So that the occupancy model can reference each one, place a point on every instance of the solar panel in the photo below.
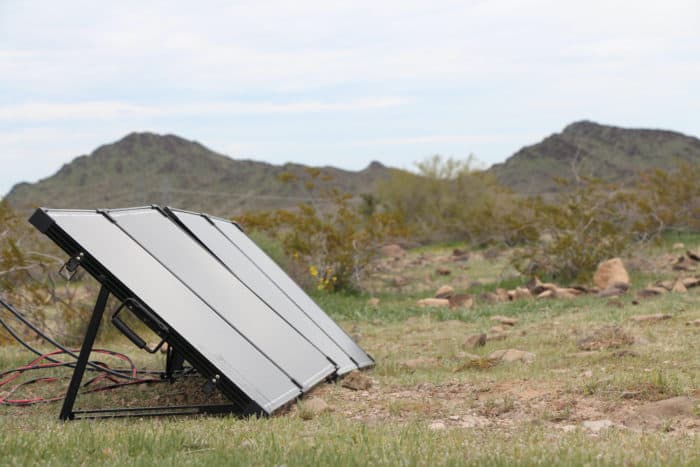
(259, 349)
(242, 256)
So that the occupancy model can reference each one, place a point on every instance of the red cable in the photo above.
(35, 364)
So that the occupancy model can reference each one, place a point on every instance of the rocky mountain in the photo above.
(591, 149)
(147, 168)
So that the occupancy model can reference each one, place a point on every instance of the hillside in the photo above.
(146, 168)
(603, 151)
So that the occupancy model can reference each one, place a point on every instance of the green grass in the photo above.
(526, 414)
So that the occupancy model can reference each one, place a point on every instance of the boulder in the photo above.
(693, 323)
(611, 273)
(443, 271)
(678, 287)
(444, 291)
(519, 293)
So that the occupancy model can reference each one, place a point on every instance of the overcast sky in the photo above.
(338, 83)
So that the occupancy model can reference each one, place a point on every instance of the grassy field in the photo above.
(432, 399)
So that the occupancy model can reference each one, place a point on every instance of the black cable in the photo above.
(94, 367)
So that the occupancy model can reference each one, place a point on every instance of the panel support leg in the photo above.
(90, 335)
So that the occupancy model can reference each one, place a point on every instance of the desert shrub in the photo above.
(449, 199)
(328, 242)
(579, 228)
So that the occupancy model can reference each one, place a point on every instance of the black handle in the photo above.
(130, 334)
(126, 330)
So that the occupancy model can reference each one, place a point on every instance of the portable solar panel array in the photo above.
(213, 295)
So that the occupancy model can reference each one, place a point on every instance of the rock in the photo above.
(693, 323)
(392, 251)
(373, 302)
(596, 426)
(443, 271)
(678, 287)
(437, 426)
(461, 300)
(512, 355)
(611, 273)
(313, 406)
(505, 320)
(444, 291)
(519, 293)
(678, 246)
(566, 293)
(690, 282)
(674, 407)
(420, 362)
(668, 285)
(433, 302)
(650, 318)
(681, 264)
(546, 294)
(692, 255)
(474, 341)
(356, 381)
(498, 328)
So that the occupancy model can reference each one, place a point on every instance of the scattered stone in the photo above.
(519, 293)
(460, 255)
(444, 291)
(313, 406)
(421, 362)
(607, 337)
(373, 302)
(476, 340)
(650, 318)
(392, 251)
(546, 294)
(471, 421)
(596, 426)
(692, 255)
(678, 246)
(567, 428)
(461, 300)
(496, 329)
(616, 302)
(356, 381)
(690, 282)
(693, 323)
(682, 265)
(512, 355)
(437, 426)
(678, 287)
(505, 320)
(433, 302)
(443, 271)
(611, 273)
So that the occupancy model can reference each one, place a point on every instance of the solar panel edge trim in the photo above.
(365, 363)
(245, 405)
